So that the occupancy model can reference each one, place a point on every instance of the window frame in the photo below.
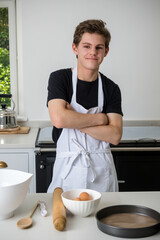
(10, 4)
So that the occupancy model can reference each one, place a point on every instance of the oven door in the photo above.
(44, 169)
(137, 170)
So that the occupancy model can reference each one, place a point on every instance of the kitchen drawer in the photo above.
(17, 161)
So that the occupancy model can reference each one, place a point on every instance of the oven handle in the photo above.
(38, 150)
(121, 181)
(123, 149)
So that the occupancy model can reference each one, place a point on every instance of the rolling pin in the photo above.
(59, 211)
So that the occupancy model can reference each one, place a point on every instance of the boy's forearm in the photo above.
(63, 115)
(112, 132)
(107, 133)
(72, 119)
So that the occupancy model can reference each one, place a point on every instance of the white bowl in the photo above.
(81, 208)
(14, 185)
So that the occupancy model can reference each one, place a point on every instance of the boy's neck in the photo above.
(87, 74)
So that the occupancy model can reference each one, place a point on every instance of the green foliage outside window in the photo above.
(4, 55)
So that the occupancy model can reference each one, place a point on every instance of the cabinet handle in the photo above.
(3, 164)
(121, 181)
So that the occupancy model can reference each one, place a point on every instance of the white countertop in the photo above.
(76, 228)
(19, 140)
(28, 140)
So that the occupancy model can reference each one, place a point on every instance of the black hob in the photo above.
(44, 138)
(141, 136)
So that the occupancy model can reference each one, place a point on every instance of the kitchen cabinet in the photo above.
(138, 170)
(15, 160)
(20, 159)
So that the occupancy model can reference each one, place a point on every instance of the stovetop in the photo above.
(44, 138)
(141, 136)
(146, 136)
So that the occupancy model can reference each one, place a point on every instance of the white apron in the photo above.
(81, 160)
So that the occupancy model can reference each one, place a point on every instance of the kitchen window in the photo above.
(8, 65)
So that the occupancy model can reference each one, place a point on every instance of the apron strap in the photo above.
(100, 88)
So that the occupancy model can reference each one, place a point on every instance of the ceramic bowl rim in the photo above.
(28, 177)
(83, 190)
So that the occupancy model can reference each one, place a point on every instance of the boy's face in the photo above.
(90, 51)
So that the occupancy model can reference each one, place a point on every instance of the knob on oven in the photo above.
(41, 166)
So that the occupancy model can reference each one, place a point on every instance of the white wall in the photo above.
(45, 29)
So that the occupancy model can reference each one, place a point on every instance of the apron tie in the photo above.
(84, 152)
(74, 155)
(69, 164)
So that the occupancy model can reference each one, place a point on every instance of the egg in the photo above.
(84, 196)
(77, 199)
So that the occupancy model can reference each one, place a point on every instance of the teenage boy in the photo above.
(85, 110)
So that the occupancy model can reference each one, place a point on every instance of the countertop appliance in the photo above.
(136, 157)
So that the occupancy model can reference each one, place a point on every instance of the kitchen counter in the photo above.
(19, 140)
(77, 228)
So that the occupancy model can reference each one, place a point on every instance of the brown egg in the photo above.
(77, 199)
(84, 196)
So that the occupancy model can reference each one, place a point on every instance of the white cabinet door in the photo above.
(17, 161)
(22, 160)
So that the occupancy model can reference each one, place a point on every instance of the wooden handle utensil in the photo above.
(59, 211)
(27, 222)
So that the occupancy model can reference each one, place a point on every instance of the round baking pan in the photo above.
(123, 229)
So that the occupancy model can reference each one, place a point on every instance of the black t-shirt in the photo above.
(60, 87)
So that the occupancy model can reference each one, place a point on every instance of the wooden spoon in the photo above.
(27, 222)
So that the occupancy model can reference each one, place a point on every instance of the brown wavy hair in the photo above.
(91, 26)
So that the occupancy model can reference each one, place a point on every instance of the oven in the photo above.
(137, 159)
(45, 153)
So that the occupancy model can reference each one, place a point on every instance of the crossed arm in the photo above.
(104, 127)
